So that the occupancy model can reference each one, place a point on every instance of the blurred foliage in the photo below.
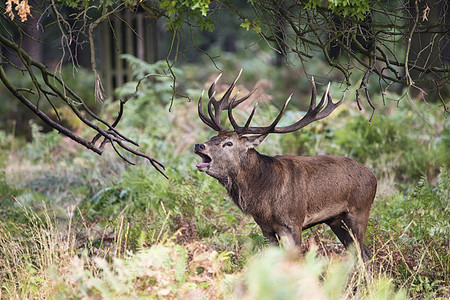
(415, 224)
(190, 234)
(180, 12)
(43, 145)
(14, 115)
(7, 193)
(153, 83)
(431, 207)
(422, 151)
(416, 146)
(345, 8)
(276, 275)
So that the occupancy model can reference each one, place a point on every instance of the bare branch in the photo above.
(371, 43)
(54, 86)
(408, 47)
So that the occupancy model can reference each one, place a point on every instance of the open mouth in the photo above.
(206, 160)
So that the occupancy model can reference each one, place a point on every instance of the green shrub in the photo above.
(415, 226)
(390, 140)
(424, 211)
(400, 142)
(43, 145)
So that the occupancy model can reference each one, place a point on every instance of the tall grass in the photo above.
(129, 233)
(48, 262)
(31, 252)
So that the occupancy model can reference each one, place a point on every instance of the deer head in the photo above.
(227, 151)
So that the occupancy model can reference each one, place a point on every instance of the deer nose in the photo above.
(199, 147)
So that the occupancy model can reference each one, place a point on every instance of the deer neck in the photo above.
(243, 184)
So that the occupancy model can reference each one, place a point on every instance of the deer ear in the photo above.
(254, 140)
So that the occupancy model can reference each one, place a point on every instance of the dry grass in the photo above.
(50, 260)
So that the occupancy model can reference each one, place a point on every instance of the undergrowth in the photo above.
(74, 225)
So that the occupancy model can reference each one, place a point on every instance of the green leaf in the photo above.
(246, 24)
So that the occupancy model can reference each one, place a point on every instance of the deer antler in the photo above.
(314, 113)
(213, 120)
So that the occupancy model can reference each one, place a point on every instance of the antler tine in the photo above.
(314, 113)
(330, 107)
(272, 126)
(215, 118)
(313, 94)
(319, 106)
(239, 101)
(257, 130)
(250, 117)
(212, 101)
(225, 103)
(219, 105)
(211, 90)
(203, 117)
(227, 94)
(236, 127)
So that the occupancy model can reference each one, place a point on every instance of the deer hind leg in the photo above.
(341, 227)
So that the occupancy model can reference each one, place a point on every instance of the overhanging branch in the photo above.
(53, 85)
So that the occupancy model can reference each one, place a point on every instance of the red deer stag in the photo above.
(286, 194)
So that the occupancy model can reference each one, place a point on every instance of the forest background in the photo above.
(122, 79)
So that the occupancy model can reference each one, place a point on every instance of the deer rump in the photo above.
(286, 194)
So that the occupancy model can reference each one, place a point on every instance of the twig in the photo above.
(363, 86)
(408, 46)
(98, 82)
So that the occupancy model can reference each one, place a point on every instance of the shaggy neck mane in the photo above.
(255, 174)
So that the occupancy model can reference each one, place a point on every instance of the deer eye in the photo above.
(228, 144)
